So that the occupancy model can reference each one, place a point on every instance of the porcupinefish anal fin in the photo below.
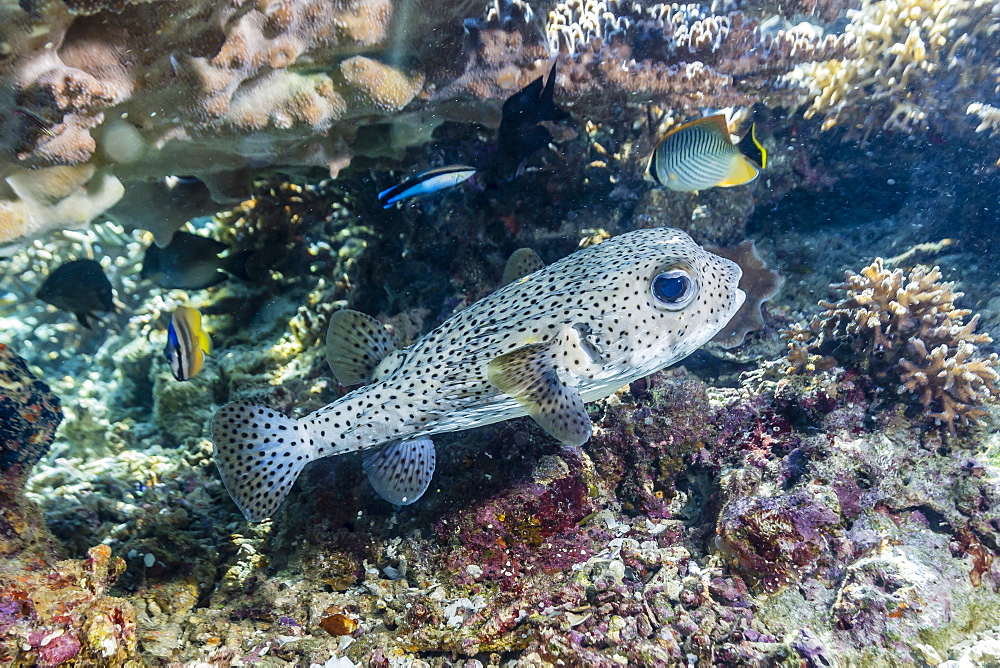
(356, 344)
(260, 475)
(521, 262)
(531, 375)
(401, 472)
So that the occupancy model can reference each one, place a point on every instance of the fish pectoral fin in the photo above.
(355, 345)
(529, 376)
(741, 171)
(521, 262)
(402, 472)
(204, 342)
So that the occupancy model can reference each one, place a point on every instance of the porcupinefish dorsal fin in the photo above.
(401, 472)
(521, 262)
(530, 375)
(355, 345)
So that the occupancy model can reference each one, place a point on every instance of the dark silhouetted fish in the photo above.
(189, 262)
(520, 134)
(80, 287)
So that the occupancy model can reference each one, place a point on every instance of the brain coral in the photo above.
(906, 333)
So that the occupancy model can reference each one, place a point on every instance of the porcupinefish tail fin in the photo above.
(355, 345)
(521, 262)
(259, 453)
(528, 375)
(402, 472)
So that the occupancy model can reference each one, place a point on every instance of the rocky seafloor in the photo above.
(736, 509)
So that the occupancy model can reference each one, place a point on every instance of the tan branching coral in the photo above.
(905, 332)
(910, 62)
(681, 56)
(989, 117)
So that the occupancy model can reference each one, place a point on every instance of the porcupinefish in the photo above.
(543, 345)
(187, 343)
(80, 287)
(701, 154)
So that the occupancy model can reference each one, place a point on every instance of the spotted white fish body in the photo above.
(543, 345)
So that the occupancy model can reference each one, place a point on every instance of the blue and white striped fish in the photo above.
(426, 183)
(701, 154)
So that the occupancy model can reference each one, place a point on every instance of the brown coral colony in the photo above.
(908, 335)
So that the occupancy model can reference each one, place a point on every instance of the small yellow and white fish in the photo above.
(543, 345)
(187, 343)
(701, 154)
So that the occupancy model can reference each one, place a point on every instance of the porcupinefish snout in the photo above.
(542, 345)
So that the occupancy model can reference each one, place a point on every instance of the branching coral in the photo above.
(911, 62)
(989, 117)
(681, 56)
(906, 330)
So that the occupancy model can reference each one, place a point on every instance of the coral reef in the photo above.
(680, 56)
(760, 285)
(50, 613)
(29, 415)
(911, 65)
(905, 330)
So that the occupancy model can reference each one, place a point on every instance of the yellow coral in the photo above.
(899, 49)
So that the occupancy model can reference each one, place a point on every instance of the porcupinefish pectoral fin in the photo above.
(521, 262)
(402, 472)
(355, 345)
(259, 453)
(528, 375)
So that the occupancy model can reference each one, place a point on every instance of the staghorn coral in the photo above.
(681, 56)
(989, 117)
(906, 330)
(912, 64)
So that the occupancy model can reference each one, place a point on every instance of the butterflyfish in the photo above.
(187, 343)
(701, 154)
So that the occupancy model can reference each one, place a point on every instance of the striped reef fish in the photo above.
(426, 183)
(701, 154)
(187, 343)
(542, 345)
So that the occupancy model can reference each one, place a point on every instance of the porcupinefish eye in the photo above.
(674, 289)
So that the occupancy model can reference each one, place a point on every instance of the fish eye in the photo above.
(674, 289)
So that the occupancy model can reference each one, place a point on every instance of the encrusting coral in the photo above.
(760, 285)
(906, 333)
